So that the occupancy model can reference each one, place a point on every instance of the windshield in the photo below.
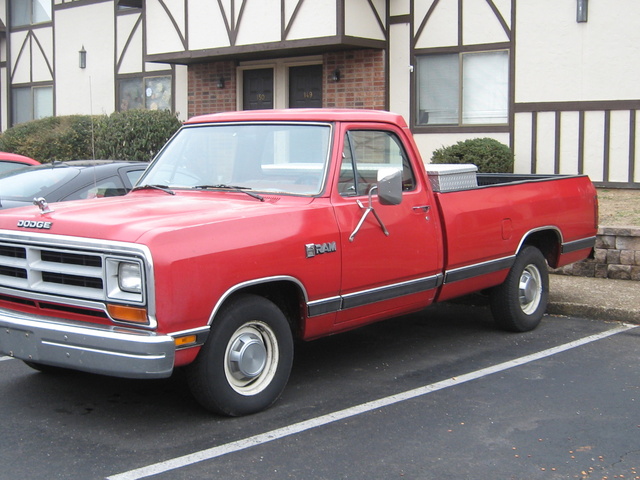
(282, 158)
(30, 182)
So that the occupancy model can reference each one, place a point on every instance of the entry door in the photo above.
(383, 274)
(305, 87)
(257, 89)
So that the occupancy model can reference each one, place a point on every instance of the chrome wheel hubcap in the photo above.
(247, 356)
(530, 289)
(251, 358)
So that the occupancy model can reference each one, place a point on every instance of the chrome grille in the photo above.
(63, 271)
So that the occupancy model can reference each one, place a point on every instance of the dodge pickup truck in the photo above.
(251, 230)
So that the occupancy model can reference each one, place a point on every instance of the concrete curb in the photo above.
(597, 298)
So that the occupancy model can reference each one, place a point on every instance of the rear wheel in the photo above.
(245, 363)
(519, 303)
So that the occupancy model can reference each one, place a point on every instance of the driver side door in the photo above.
(383, 274)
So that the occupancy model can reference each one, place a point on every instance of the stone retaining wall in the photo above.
(617, 255)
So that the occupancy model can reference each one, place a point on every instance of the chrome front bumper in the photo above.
(105, 350)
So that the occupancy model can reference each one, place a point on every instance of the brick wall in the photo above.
(203, 94)
(617, 255)
(361, 84)
(362, 80)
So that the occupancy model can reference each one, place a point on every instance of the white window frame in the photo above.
(33, 90)
(144, 78)
(32, 4)
(463, 100)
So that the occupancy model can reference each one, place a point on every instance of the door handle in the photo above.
(422, 209)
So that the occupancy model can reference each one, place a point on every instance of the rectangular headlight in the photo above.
(130, 277)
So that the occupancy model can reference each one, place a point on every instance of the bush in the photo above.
(51, 138)
(132, 135)
(489, 155)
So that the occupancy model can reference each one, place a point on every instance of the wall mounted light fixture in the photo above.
(82, 58)
(221, 82)
(336, 75)
(582, 11)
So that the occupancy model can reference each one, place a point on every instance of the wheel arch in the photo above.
(547, 239)
(286, 292)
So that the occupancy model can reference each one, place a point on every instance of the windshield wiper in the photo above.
(163, 188)
(235, 188)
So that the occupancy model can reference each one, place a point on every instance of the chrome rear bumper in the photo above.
(105, 350)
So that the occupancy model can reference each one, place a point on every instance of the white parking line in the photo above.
(211, 453)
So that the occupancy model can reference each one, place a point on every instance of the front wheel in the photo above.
(245, 363)
(519, 303)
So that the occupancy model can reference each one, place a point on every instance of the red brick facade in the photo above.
(362, 80)
(362, 83)
(204, 95)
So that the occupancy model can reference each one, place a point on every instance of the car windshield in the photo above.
(31, 182)
(282, 158)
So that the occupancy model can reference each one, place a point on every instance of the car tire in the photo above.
(245, 363)
(519, 303)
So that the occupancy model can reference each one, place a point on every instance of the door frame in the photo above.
(280, 68)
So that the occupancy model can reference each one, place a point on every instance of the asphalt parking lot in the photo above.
(437, 395)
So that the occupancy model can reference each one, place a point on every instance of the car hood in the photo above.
(145, 214)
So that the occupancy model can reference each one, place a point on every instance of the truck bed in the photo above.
(485, 226)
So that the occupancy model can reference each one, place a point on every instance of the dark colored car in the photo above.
(13, 161)
(73, 180)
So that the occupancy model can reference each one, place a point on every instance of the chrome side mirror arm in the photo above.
(367, 211)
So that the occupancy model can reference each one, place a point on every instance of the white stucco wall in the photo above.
(559, 59)
(89, 90)
(181, 82)
(360, 19)
(129, 44)
(400, 69)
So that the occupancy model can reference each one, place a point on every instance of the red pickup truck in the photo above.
(252, 229)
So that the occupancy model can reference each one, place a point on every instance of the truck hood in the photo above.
(130, 217)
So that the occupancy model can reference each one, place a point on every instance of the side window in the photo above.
(367, 151)
(109, 187)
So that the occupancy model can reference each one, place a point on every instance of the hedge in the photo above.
(488, 154)
(131, 135)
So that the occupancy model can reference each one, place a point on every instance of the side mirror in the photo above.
(390, 186)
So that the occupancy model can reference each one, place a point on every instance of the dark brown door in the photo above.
(257, 89)
(305, 87)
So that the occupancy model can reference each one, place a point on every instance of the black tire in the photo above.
(245, 363)
(519, 303)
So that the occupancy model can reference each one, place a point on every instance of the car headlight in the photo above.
(130, 277)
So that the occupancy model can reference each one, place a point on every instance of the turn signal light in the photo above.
(128, 314)
(182, 341)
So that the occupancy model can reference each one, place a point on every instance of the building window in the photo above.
(463, 89)
(129, 4)
(31, 103)
(150, 93)
(30, 12)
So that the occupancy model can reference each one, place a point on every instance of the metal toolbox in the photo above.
(451, 177)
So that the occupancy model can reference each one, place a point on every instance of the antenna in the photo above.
(93, 139)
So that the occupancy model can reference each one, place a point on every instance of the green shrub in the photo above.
(134, 134)
(489, 155)
(51, 138)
